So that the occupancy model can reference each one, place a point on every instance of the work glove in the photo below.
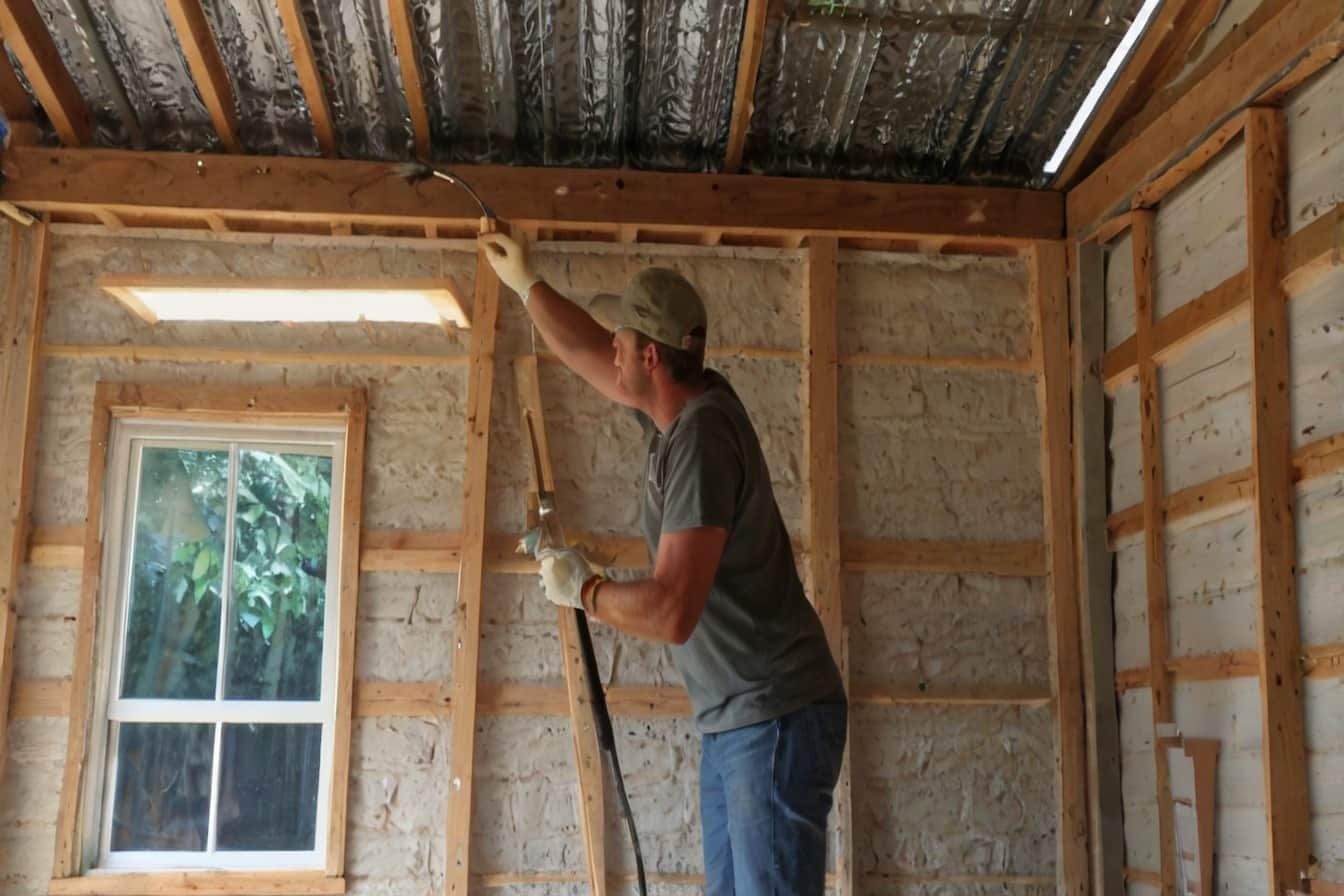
(564, 572)
(509, 259)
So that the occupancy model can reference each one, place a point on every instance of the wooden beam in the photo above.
(470, 577)
(1321, 661)
(1155, 190)
(201, 883)
(207, 69)
(25, 32)
(1049, 291)
(1155, 546)
(582, 716)
(1319, 458)
(185, 354)
(748, 66)
(1288, 47)
(1173, 27)
(321, 191)
(1087, 306)
(1287, 797)
(403, 36)
(352, 506)
(1025, 558)
(14, 98)
(821, 447)
(310, 79)
(21, 322)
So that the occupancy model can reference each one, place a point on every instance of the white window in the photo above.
(213, 729)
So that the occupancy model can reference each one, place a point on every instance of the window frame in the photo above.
(245, 411)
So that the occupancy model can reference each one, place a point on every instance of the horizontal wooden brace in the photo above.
(1322, 661)
(1308, 253)
(401, 550)
(49, 697)
(200, 883)
(1319, 458)
(327, 190)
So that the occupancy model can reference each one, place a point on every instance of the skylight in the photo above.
(155, 298)
(1102, 84)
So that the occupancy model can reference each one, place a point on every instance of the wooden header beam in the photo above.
(207, 68)
(25, 32)
(1302, 39)
(325, 190)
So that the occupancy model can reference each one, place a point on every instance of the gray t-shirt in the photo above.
(759, 650)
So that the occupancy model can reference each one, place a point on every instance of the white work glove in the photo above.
(509, 259)
(564, 571)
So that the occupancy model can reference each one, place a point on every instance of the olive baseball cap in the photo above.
(661, 304)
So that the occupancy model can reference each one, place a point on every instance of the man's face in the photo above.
(630, 373)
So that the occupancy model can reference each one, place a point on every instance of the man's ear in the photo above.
(650, 357)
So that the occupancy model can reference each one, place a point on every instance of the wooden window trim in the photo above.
(233, 404)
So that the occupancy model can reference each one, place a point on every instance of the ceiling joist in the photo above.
(207, 68)
(748, 66)
(310, 79)
(318, 192)
(25, 33)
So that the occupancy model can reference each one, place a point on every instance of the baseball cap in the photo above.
(661, 304)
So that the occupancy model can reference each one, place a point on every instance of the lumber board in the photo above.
(1287, 796)
(1155, 190)
(13, 97)
(322, 191)
(21, 321)
(748, 67)
(1024, 558)
(1321, 661)
(1154, 546)
(821, 448)
(201, 883)
(65, 861)
(1286, 47)
(352, 506)
(191, 354)
(470, 577)
(207, 68)
(582, 718)
(1313, 460)
(56, 91)
(1087, 308)
(310, 79)
(1049, 290)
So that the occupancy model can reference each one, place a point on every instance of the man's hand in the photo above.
(564, 571)
(509, 259)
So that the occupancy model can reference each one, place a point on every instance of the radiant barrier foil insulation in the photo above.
(952, 90)
(273, 116)
(968, 91)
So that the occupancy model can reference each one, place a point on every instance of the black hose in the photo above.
(606, 737)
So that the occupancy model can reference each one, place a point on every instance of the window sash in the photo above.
(129, 439)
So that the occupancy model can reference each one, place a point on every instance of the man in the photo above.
(724, 590)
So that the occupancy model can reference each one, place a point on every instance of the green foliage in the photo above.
(283, 504)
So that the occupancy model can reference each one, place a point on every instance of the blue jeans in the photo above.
(765, 792)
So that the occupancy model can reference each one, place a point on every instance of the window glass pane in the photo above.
(162, 797)
(268, 787)
(279, 576)
(172, 633)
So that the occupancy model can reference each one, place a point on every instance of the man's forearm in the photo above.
(644, 608)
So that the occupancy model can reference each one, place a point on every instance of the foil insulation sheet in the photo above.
(967, 91)
(141, 45)
(80, 51)
(352, 47)
(273, 116)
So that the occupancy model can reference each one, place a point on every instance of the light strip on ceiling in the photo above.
(1102, 84)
